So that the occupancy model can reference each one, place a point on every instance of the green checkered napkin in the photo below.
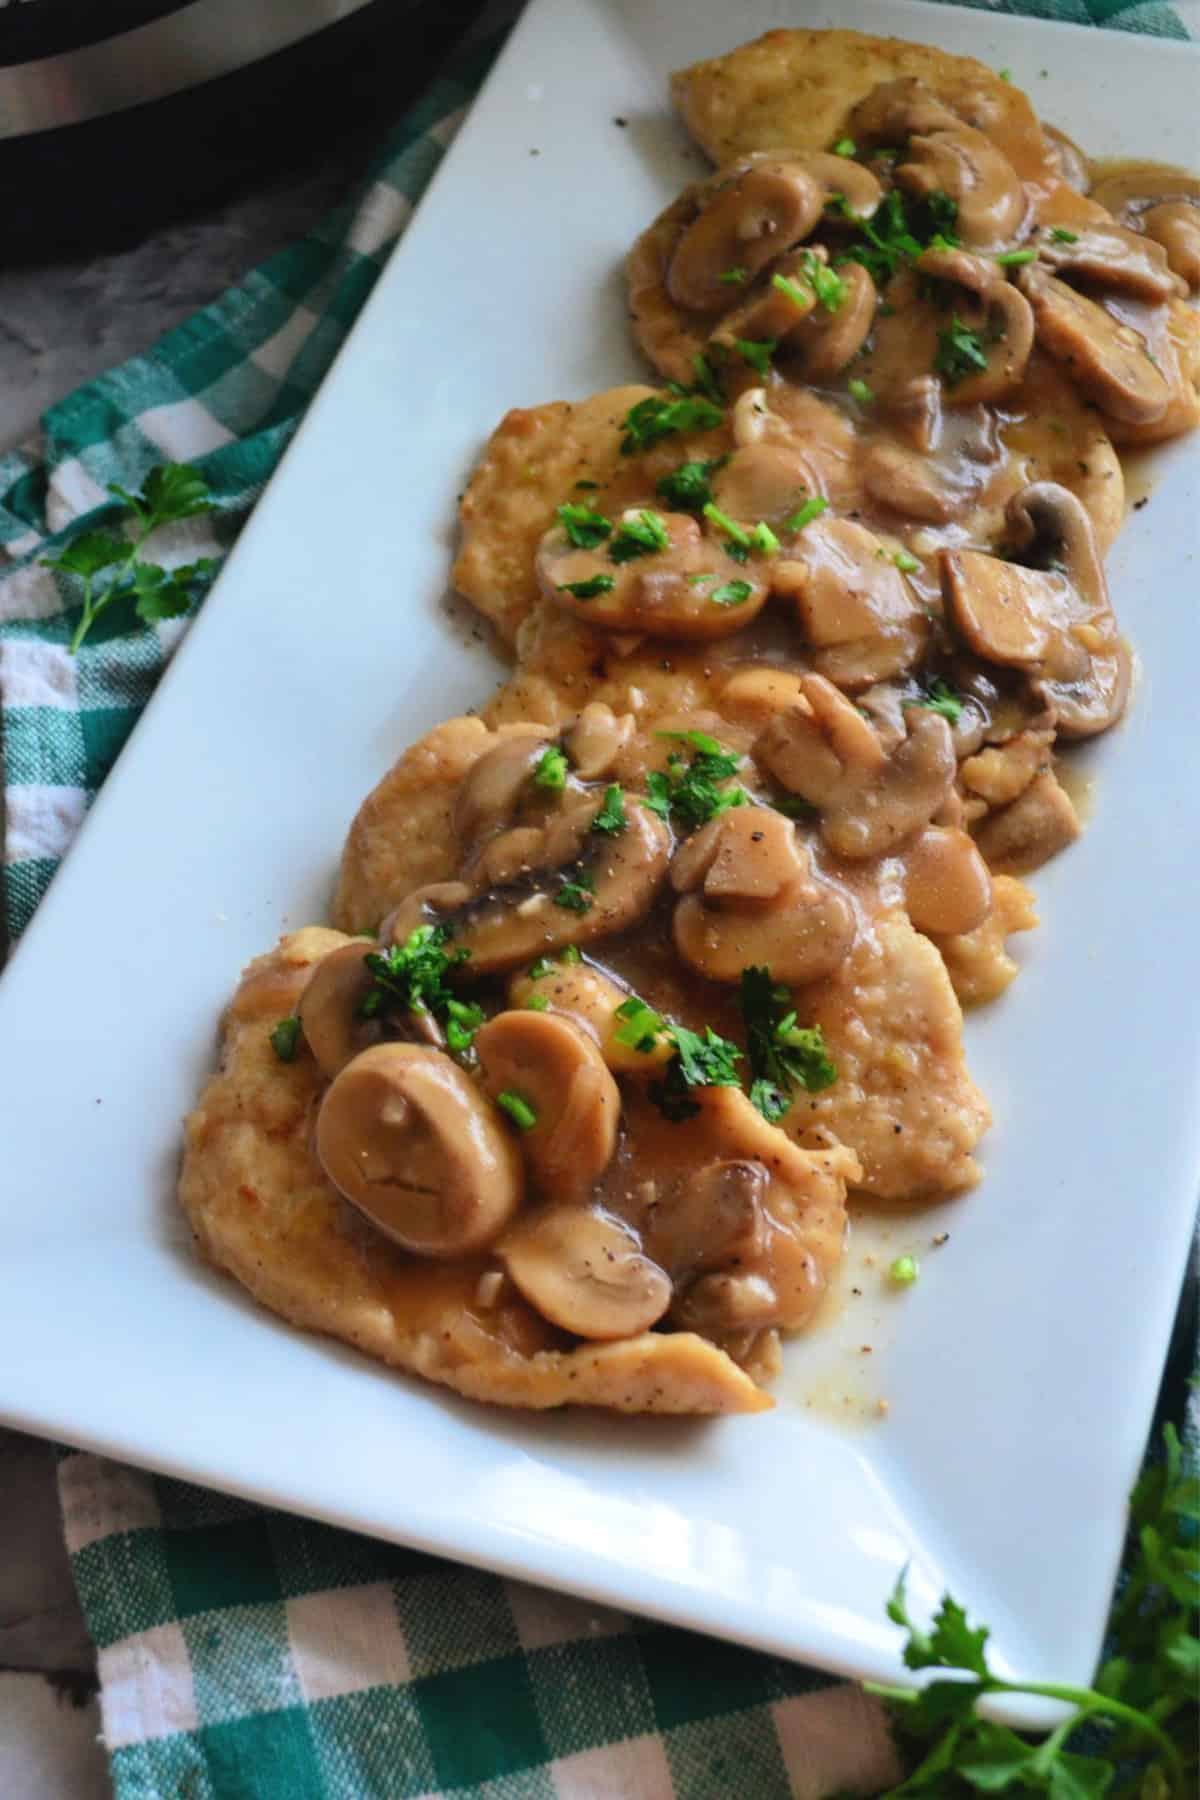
(245, 1652)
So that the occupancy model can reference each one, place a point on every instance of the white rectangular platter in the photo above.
(1019, 1374)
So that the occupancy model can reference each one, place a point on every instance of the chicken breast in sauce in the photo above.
(644, 973)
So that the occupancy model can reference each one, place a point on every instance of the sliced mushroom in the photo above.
(692, 590)
(822, 340)
(750, 894)
(1053, 621)
(1108, 256)
(713, 1218)
(931, 489)
(756, 208)
(409, 1140)
(594, 740)
(947, 888)
(855, 607)
(585, 1272)
(1175, 224)
(490, 790)
(558, 1073)
(1108, 362)
(328, 1008)
(590, 998)
(826, 752)
(502, 928)
(966, 165)
(894, 111)
(1000, 316)
(764, 481)
(1038, 824)
(1067, 159)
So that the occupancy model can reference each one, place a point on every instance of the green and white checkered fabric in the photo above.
(245, 1654)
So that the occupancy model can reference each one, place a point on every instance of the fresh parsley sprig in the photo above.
(413, 977)
(1142, 1712)
(960, 352)
(111, 566)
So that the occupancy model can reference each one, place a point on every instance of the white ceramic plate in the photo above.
(1020, 1372)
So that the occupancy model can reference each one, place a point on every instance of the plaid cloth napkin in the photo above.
(245, 1653)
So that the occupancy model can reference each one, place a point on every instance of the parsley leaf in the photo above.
(959, 352)
(1140, 1713)
(591, 589)
(804, 515)
(783, 1055)
(285, 1038)
(658, 417)
(706, 383)
(859, 391)
(939, 697)
(825, 282)
(906, 562)
(642, 536)
(584, 526)
(735, 277)
(757, 352)
(702, 1059)
(689, 794)
(412, 977)
(610, 821)
(1060, 235)
(686, 489)
(550, 770)
(518, 1109)
(577, 896)
(897, 232)
(170, 492)
(731, 593)
(640, 1026)
(845, 147)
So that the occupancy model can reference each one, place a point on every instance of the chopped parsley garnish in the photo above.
(577, 896)
(702, 1059)
(736, 277)
(587, 484)
(906, 562)
(904, 1271)
(793, 290)
(959, 352)
(763, 539)
(640, 1025)
(689, 793)
(537, 1003)
(591, 589)
(1009, 258)
(610, 821)
(545, 965)
(845, 147)
(642, 536)
(825, 282)
(939, 697)
(550, 770)
(686, 488)
(756, 352)
(412, 976)
(730, 527)
(706, 382)
(1060, 235)
(804, 515)
(570, 953)
(584, 526)
(731, 593)
(462, 1021)
(658, 417)
(517, 1108)
(896, 233)
(860, 391)
(285, 1038)
(783, 1055)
